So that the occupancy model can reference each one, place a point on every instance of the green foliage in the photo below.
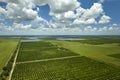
(80, 68)
(118, 44)
(41, 50)
(115, 55)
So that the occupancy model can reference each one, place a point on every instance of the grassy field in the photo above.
(97, 51)
(80, 68)
(7, 47)
(41, 50)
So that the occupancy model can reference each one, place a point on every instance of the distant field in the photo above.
(7, 47)
(41, 50)
(80, 68)
(97, 41)
(99, 51)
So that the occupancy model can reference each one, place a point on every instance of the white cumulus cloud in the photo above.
(60, 6)
(66, 14)
(104, 19)
(94, 11)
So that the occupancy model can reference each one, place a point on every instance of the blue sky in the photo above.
(111, 8)
(62, 17)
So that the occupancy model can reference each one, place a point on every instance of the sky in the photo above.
(59, 17)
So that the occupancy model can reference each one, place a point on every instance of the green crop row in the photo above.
(41, 50)
(80, 68)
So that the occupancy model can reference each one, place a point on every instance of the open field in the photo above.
(7, 47)
(96, 50)
(77, 68)
(41, 50)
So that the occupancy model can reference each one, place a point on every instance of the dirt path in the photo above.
(14, 63)
(48, 59)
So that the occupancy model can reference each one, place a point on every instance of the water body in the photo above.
(32, 40)
(70, 39)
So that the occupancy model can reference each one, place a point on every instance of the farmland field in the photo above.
(41, 50)
(7, 47)
(68, 60)
(66, 69)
